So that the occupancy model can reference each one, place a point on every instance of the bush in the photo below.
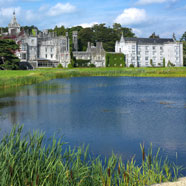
(163, 62)
(92, 65)
(151, 63)
(184, 60)
(70, 65)
(81, 63)
(60, 66)
(131, 66)
(115, 60)
(170, 64)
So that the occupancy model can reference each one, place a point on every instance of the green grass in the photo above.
(19, 78)
(26, 160)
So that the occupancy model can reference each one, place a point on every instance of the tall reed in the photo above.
(28, 161)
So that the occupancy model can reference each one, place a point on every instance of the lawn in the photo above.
(10, 78)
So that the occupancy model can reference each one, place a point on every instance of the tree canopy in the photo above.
(96, 33)
(8, 59)
(154, 36)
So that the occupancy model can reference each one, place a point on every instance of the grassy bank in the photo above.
(27, 161)
(19, 78)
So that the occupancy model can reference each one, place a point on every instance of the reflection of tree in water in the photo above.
(47, 88)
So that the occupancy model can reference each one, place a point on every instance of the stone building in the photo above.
(41, 49)
(144, 52)
(96, 54)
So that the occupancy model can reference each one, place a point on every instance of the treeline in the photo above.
(183, 39)
(96, 33)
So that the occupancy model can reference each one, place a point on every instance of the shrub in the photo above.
(70, 65)
(82, 63)
(170, 64)
(131, 66)
(92, 65)
(60, 66)
(163, 62)
(151, 63)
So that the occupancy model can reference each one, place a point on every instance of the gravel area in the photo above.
(180, 182)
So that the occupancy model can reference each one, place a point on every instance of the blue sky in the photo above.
(144, 16)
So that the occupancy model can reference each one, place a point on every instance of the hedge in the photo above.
(82, 63)
(115, 60)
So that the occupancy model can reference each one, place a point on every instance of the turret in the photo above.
(13, 27)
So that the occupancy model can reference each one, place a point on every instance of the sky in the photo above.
(164, 17)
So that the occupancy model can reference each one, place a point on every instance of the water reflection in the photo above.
(108, 113)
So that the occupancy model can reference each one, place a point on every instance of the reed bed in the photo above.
(25, 160)
(20, 78)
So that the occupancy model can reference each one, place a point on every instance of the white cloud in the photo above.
(137, 31)
(8, 12)
(60, 8)
(87, 25)
(44, 7)
(30, 15)
(144, 2)
(131, 16)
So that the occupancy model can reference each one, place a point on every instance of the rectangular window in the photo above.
(146, 53)
(51, 55)
(46, 55)
(23, 56)
(51, 50)
(154, 48)
(146, 48)
(146, 58)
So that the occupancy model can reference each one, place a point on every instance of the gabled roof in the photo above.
(148, 40)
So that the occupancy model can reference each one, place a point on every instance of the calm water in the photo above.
(108, 113)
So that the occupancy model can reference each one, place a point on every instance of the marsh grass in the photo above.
(26, 160)
(19, 78)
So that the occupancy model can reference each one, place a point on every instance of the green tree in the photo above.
(183, 38)
(8, 59)
(154, 36)
(85, 36)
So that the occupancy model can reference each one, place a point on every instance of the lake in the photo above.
(111, 114)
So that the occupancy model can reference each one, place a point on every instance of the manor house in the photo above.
(43, 49)
(96, 54)
(144, 52)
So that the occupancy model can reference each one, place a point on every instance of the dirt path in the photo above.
(180, 182)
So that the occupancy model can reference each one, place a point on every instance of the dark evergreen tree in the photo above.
(8, 59)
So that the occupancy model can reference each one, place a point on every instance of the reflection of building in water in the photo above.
(43, 49)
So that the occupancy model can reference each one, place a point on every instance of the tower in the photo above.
(75, 40)
(13, 27)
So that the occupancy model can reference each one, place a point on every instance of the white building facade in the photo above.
(41, 49)
(145, 52)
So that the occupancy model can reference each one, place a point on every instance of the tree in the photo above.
(183, 38)
(8, 59)
(85, 36)
(174, 37)
(154, 36)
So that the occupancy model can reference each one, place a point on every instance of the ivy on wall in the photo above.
(115, 60)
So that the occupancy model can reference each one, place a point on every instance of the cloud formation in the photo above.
(60, 8)
(8, 12)
(131, 16)
(87, 25)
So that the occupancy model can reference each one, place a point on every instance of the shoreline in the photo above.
(17, 78)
